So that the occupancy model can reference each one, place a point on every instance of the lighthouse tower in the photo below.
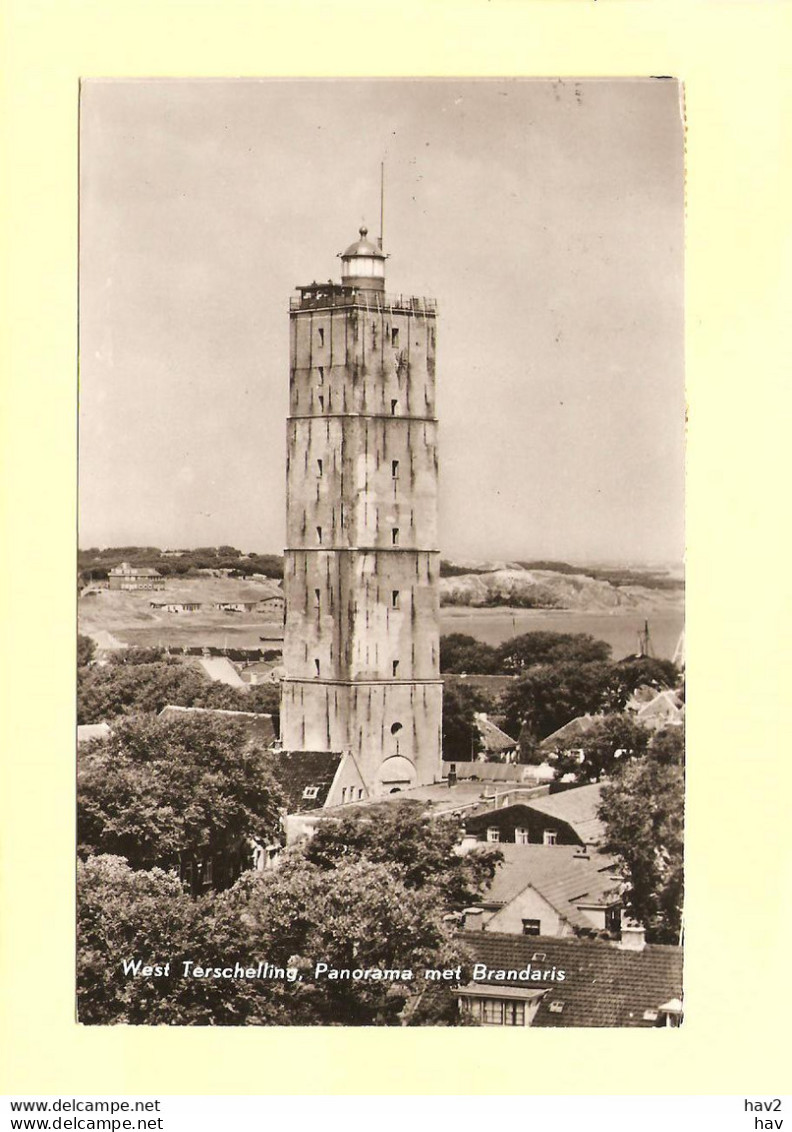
(361, 649)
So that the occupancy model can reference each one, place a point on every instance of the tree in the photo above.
(423, 848)
(643, 811)
(541, 647)
(460, 734)
(550, 695)
(176, 793)
(627, 675)
(126, 914)
(135, 683)
(606, 746)
(86, 647)
(461, 653)
(359, 915)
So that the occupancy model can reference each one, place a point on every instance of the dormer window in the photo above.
(310, 792)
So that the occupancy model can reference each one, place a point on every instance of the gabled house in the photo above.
(567, 818)
(126, 577)
(561, 890)
(314, 781)
(546, 982)
(493, 743)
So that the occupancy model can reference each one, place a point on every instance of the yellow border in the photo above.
(732, 57)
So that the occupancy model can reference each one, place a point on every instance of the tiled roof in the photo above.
(573, 730)
(604, 985)
(258, 725)
(301, 771)
(578, 807)
(560, 874)
(493, 739)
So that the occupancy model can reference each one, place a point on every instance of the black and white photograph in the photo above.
(381, 594)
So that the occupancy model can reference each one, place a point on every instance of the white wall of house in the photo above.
(528, 905)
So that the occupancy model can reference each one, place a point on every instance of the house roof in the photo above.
(576, 728)
(88, 731)
(220, 668)
(560, 874)
(301, 771)
(258, 725)
(577, 807)
(493, 739)
(489, 772)
(604, 985)
(665, 705)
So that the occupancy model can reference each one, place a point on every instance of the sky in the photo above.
(546, 218)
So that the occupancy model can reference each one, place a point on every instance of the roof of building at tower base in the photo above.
(305, 777)
(259, 726)
(604, 984)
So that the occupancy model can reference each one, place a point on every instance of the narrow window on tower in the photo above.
(321, 375)
(319, 535)
(317, 666)
(317, 598)
(319, 468)
(395, 536)
(394, 599)
(394, 469)
(394, 407)
(321, 335)
(395, 668)
(395, 336)
(321, 403)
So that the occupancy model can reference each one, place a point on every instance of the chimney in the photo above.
(452, 775)
(474, 920)
(633, 937)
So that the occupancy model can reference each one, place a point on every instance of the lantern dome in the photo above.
(363, 264)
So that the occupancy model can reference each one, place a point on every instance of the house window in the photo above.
(343, 794)
(320, 332)
(497, 1012)
(613, 919)
(395, 668)
(395, 336)
(550, 837)
(319, 468)
(360, 792)
(531, 927)
(493, 833)
(521, 836)
(394, 599)
(395, 536)
(394, 469)
(319, 535)
(317, 666)
(394, 407)
(310, 792)
(321, 375)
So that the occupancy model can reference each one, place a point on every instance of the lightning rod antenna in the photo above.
(382, 203)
